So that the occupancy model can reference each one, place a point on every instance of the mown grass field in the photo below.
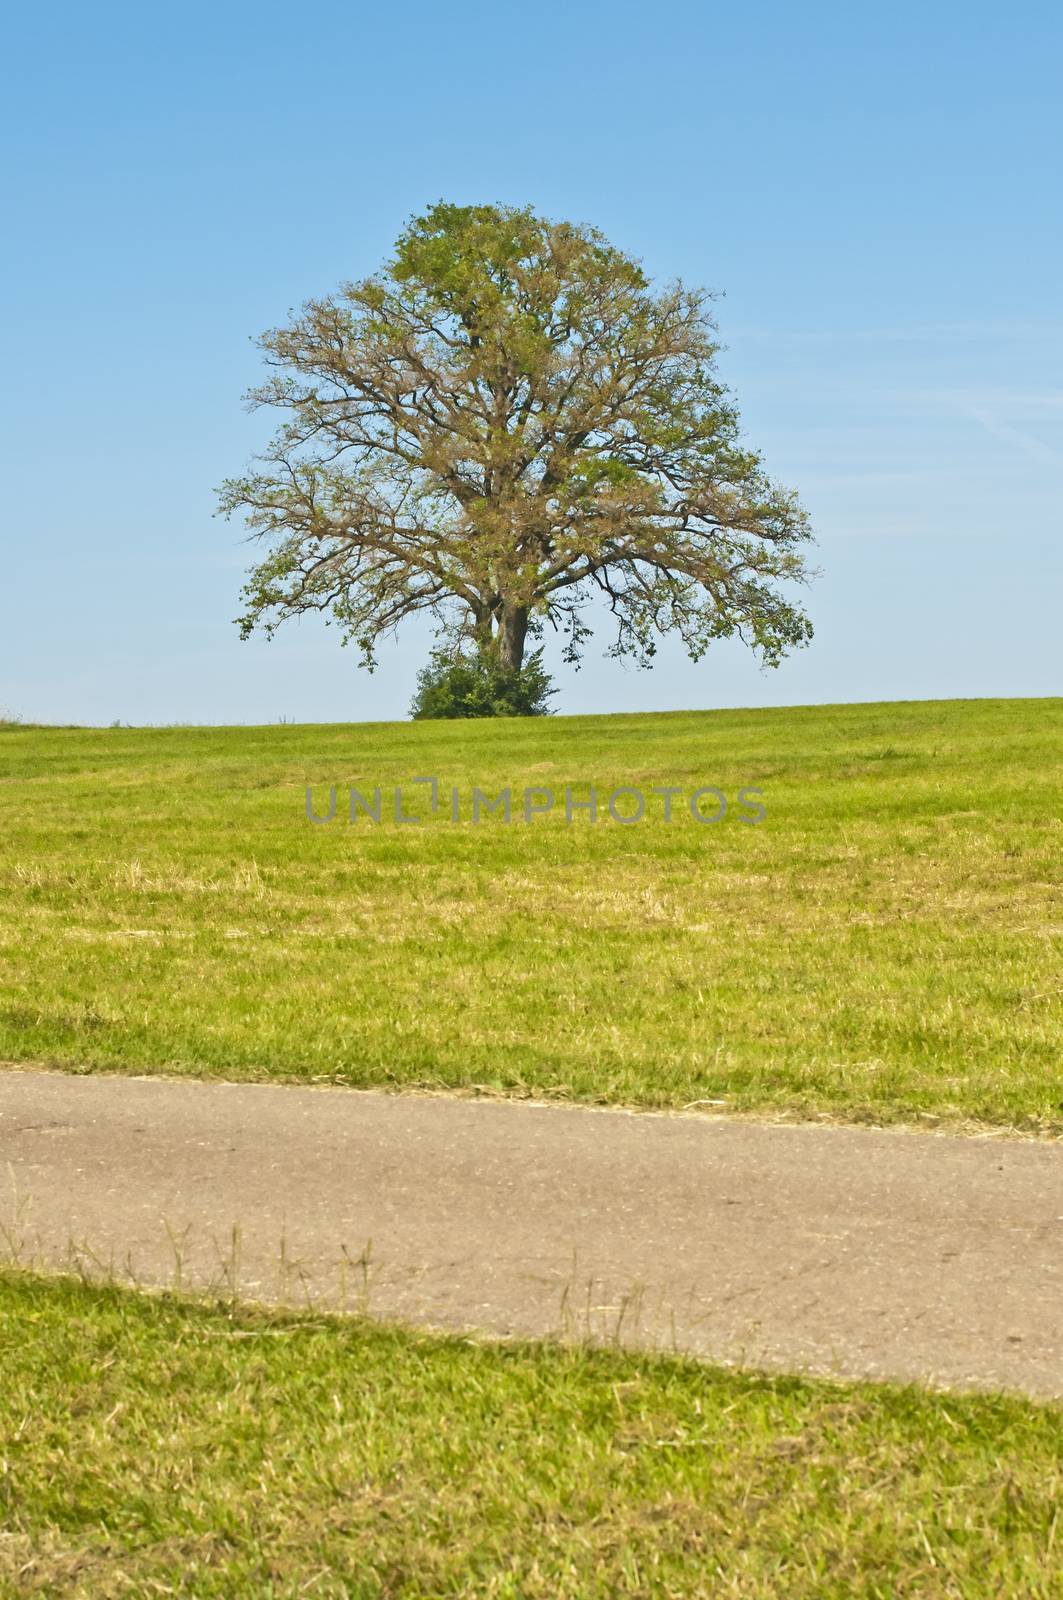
(153, 1447)
(884, 945)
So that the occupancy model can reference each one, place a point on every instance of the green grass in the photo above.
(884, 945)
(153, 1447)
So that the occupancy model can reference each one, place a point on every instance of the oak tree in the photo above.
(506, 421)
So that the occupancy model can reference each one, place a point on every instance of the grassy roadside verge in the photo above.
(885, 945)
(152, 1446)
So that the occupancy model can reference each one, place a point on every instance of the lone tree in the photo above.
(505, 421)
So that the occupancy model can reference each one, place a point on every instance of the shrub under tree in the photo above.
(478, 685)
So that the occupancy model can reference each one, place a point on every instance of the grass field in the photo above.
(150, 1447)
(884, 945)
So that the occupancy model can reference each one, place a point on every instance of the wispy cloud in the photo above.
(1008, 399)
(924, 333)
(991, 413)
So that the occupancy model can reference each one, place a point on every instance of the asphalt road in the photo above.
(852, 1251)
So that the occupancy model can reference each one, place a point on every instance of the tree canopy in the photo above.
(504, 422)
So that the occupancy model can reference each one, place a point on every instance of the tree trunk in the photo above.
(512, 632)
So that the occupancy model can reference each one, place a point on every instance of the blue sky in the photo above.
(875, 191)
